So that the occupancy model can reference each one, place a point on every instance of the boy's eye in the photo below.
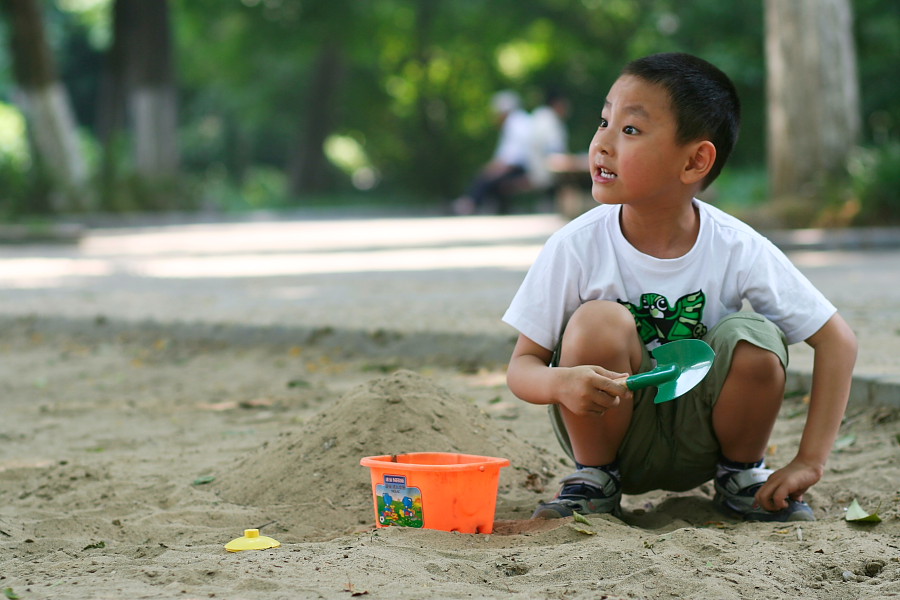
(631, 130)
(603, 122)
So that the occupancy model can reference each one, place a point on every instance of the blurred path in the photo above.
(453, 275)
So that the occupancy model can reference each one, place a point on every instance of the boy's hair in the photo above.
(704, 101)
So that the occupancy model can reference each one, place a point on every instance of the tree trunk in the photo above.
(112, 100)
(309, 170)
(45, 103)
(112, 113)
(813, 94)
(138, 88)
(152, 100)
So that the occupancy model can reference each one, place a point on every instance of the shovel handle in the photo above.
(654, 378)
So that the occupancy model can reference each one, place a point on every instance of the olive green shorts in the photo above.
(672, 445)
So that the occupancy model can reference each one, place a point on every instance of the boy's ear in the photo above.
(700, 161)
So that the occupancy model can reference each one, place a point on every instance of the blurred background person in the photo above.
(507, 172)
(549, 142)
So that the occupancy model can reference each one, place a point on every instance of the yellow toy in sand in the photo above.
(251, 541)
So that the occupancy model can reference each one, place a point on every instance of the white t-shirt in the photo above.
(515, 138)
(590, 259)
(548, 136)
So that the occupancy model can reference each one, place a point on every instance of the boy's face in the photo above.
(634, 156)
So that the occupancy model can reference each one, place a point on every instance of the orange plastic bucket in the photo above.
(435, 490)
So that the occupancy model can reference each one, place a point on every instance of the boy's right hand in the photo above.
(590, 389)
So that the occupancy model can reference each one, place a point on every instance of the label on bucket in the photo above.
(399, 504)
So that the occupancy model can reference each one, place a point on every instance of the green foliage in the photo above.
(15, 160)
(14, 183)
(412, 83)
(25, 189)
(739, 190)
(877, 29)
(875, 175)
(420, 74)
(261, 188)
(131, 192)
(120, 189)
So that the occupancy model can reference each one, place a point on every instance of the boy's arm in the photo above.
(581, 389)
(834, 347)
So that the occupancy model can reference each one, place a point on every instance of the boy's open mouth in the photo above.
(603, 173)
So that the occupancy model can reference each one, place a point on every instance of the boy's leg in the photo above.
(743, 417)
(748, 404)
(722, 424)
(675, 445)
(604, 334)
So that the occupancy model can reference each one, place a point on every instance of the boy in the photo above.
(653, 264)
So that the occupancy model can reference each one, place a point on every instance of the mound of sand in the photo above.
(316, 468)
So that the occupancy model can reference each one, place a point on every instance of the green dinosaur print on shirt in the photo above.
(657, 321)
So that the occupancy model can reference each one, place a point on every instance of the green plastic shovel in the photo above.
(680, 365)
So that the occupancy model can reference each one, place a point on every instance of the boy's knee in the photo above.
(757, 363)
(602, 312)
(600, 326)
(760, 343)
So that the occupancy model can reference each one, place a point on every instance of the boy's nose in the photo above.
(601, 143)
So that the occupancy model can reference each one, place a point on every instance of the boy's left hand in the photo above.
(791, 481)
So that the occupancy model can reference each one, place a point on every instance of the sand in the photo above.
(130, 454)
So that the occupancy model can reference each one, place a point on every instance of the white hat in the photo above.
(505, 101)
